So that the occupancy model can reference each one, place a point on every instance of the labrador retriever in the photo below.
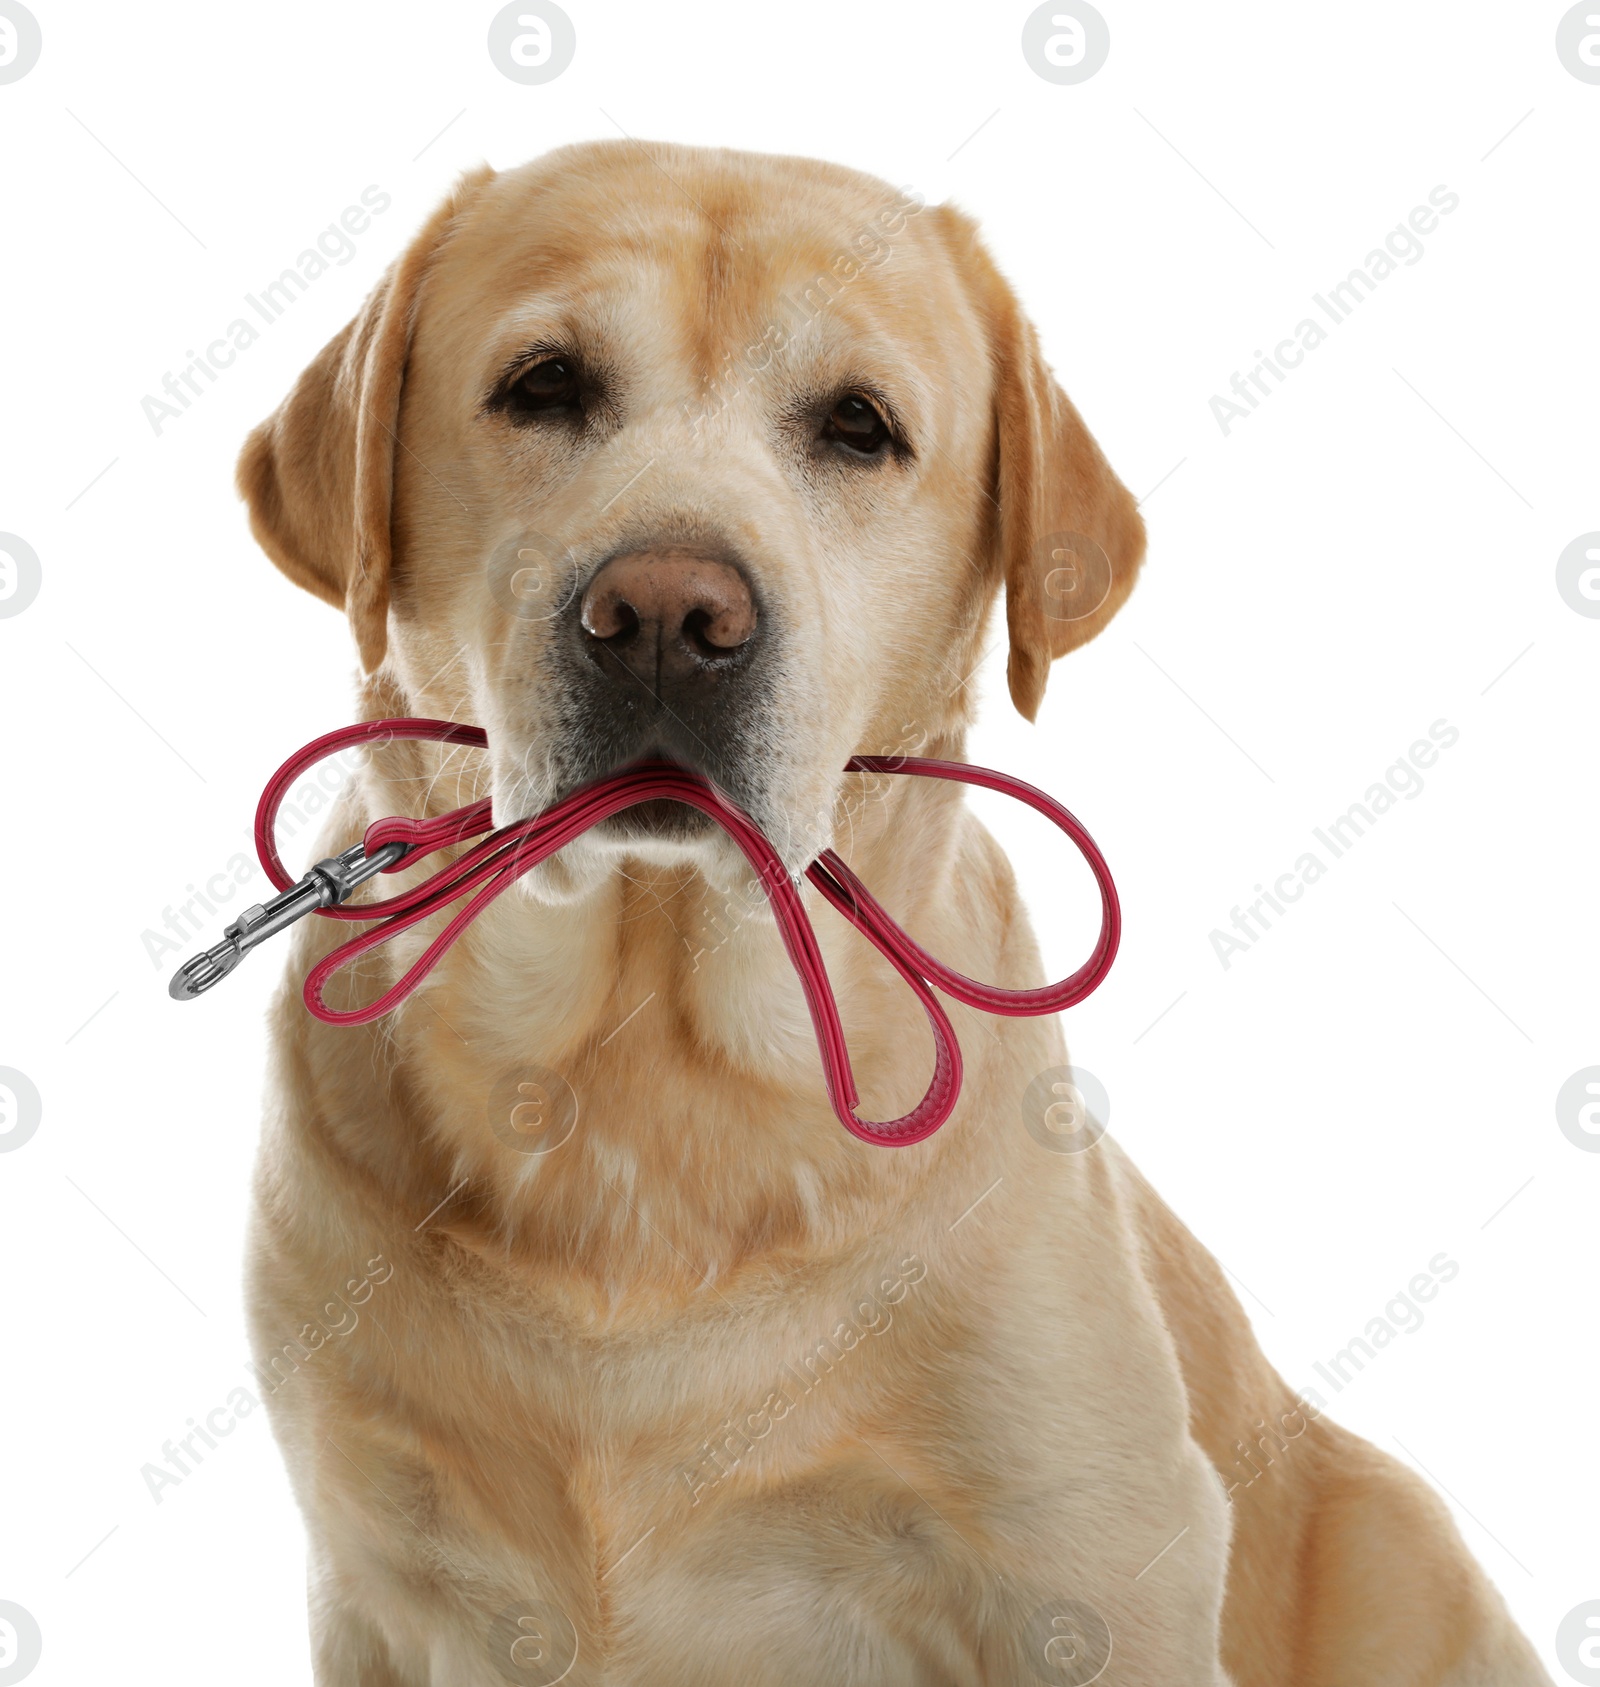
(654, 1376)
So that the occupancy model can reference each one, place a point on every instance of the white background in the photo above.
(1373, 550)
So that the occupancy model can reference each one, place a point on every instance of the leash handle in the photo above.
(492, 866)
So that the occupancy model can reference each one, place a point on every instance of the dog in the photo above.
(653, 1375)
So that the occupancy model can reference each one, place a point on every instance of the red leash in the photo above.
(490, 868)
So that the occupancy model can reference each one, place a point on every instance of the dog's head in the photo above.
(656, 451)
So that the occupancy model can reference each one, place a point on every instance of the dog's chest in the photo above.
(664, 1478)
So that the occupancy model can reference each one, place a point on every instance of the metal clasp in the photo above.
(328, 883)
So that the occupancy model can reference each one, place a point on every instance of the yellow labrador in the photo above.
(651, 1375)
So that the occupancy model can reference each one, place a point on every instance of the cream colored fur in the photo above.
(1012, 1377)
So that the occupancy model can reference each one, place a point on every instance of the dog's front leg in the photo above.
(347, 1647)
(378, 1632)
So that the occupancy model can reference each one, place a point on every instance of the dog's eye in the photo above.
(856, 423)
(551, 384)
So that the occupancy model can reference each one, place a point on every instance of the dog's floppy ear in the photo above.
(1069, 534)
(318, 474)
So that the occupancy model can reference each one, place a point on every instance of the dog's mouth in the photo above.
(591, 755)
(724, 733)
(668, 653)
(662, 819)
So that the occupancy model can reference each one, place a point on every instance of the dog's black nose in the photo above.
(671, 618)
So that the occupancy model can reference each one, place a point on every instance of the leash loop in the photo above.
(490, 867)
